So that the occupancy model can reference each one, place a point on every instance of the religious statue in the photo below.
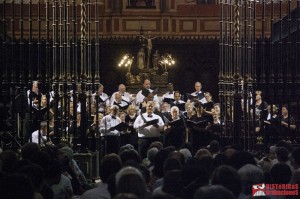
(155, 60)
(149, 48)
(141, 59)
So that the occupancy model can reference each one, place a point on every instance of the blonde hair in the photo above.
(131, 107)
(100, 116)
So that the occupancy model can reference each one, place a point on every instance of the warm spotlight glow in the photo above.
(166, 60)
(126, 61)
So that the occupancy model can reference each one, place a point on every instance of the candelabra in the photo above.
(166, 60)
(126, 62)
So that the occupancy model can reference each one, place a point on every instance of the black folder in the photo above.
(128, 102)
(121, 106)
(168, 100)
(120, 127)
(100, 100)
(180, 106)
(191, 97)
(146, 92)
(193, 124)
(176, 123)
(151, 122)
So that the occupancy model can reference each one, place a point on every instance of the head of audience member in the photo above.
(295, 158)
(228, 152)
(175, 112)
(285, 144)
(68, 151)
(7, 159)
(151, 153)
(178, 156)
(122, 89)
(130, 155)
(29, 149)
(214, 147)
(35, 173)
(110, 164)
(242, 158)
(130, 180)
(282, 154)
(125, 147)
(42, 158)
(213, 192)
(159, 145)
(160, 158)
(250, 175)
(147, 84)
(177, 96)
(272, 153)
(172, 183)
(265, 164)
(281, 173)
(186, 153)
(228, 177)
(194, 175)
(198, 87)
(171, 164)
(202, 153)
(170, 88)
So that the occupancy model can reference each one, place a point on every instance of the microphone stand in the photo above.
(186, 129)
(105, 134)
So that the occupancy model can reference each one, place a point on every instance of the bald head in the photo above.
(198, 86)
(147, 84)
(122, 88)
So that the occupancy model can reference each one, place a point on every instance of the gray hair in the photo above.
(250, 174)
(127, 170)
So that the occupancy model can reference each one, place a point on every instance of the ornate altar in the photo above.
(147, 65)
